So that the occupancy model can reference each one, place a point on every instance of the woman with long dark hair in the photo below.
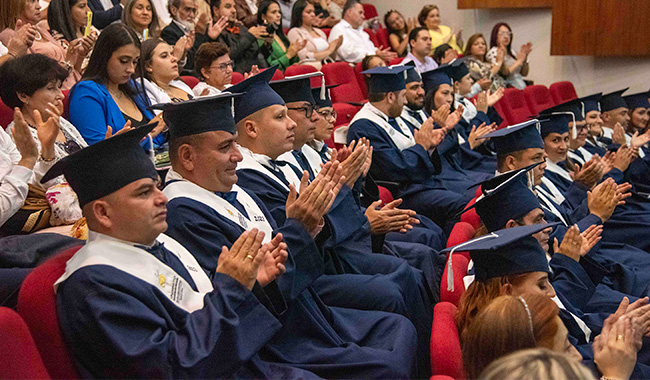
(280, 51)
(107, 95)
(513, 67)
(398, 31)
(141, 15)
(316, 47)
(66, 20)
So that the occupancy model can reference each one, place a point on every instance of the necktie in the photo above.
(231, 197)
(323, 154)
(416, 115)
(278, 172)
(304, 165)
(159, 251)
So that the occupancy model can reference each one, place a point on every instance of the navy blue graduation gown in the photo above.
(120, 326)
(329, 341)
(359, 279)
(416, 172)
(481, 159)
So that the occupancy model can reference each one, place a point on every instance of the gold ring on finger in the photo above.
(619, 337)
(249, 257)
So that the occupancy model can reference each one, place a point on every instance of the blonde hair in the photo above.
(536, 363)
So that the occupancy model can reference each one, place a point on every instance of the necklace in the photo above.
(38, 36)
(117, 95)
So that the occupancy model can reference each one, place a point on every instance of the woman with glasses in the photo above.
(214, 67)
(32, 83)
(513, 67)
(324, 125)
(160, 75)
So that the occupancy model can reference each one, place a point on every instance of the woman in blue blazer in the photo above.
(107, 95)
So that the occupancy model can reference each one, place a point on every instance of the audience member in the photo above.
(19, 44)
(247, 12)
(286, 7)
(444, 54)
(243, 43)
(535, 364)
(316, 48)
(398, 31)
(71, 57)
(323, 17)
(280, 51)
(356, 43)
(141, 16)
(214, 68)
(419, 41)
(483, 72)
(107, 96)
(160, 73)
(429, 18)
(66, 21)
(532, 320)
(106, 12)
(33, 84)
(512, 66)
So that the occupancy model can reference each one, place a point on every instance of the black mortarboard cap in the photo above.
(591, 103)
(506, 196)
(386, 78)
(296, 88)
(458, 69)
(558, 123)
(506, 252)
(432, 79)
(573, 106)
(203, 114)
(639, 100)
(107, 166)
(257, 94)
(412, 74)
(613, 100)
(517, 137)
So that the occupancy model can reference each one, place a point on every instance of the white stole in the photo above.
(583, 326)
(313, 158)
(546, 201)
(262, 164)
(402, 140)
(105, 250)
(255, 218)
(414, 122)
(469, 109)
(555, 168)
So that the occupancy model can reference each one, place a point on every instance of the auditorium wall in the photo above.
(588, 74)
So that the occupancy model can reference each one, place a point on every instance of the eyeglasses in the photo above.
(308, 109)
(327, 114)
(504, 34)
(224, 66)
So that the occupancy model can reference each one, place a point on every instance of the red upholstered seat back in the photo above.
(277, 75)
(369, 11)
(190, 80)
(360, 80)
(19, 358)
(385, 195)
(459, 264)
(538, 98)
(341, 73)
(325, 30)
(461, 233)
(446, 356)
(345, 112)
(236, 78)
(563, 92)
(6, 115)
(37, 306)
(395, 61)
(373, 37)
(382, 36)
(299, 70)
(514, 106)
(471, 217)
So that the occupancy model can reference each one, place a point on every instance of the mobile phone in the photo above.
(272, 28)
(89, 23)
(323, 14)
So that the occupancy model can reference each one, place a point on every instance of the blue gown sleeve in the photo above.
(115, 318)
(388, 162)
(574, 282)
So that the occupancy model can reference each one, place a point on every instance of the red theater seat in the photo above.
(563, 92)
(369, 11)
(446, 355)
(461, 233)
(6, 115)
(538, 98)
(326, 31)
(395, 61)
(373, 37)
(514, 107)
(299, 70)
(348, 91)
(190, 80)
(382, 37)
(345, 112)
(19, 358)
(459, 264)
(37, 306)
(471, 217)
(385, 195)
(360, 80)
(236, 78)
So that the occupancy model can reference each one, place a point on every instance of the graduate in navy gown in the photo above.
(403, 154)
(638, 107)
(134, 303)
(208, 210)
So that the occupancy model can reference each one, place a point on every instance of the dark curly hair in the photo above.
(26, 75)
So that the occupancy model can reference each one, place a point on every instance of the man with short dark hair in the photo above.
(420, 54)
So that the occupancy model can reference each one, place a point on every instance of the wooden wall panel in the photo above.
(490, 4)
(623, 28)
(574, 27)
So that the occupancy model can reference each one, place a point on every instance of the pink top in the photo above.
(47, 46)
(300, 33)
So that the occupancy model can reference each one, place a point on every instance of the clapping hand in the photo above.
(386, 54)
(571, 244)
(215, 28)
(274, 254)
(638, 141)
(481, 102)
(603, 199)
(494, 97)
(24, 141)
(49, 130)
(243, 259)
(618, 136)
(354, 165)
(615, 349)
(590, 173)
(590, 237)
(254, 71)
(454, 117)
(428, 137)
(389, 218)
(475, 138)
(623, 157)
(109, 130)
(22, 39)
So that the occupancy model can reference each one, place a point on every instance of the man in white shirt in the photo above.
(356, 43)
(420, 43)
